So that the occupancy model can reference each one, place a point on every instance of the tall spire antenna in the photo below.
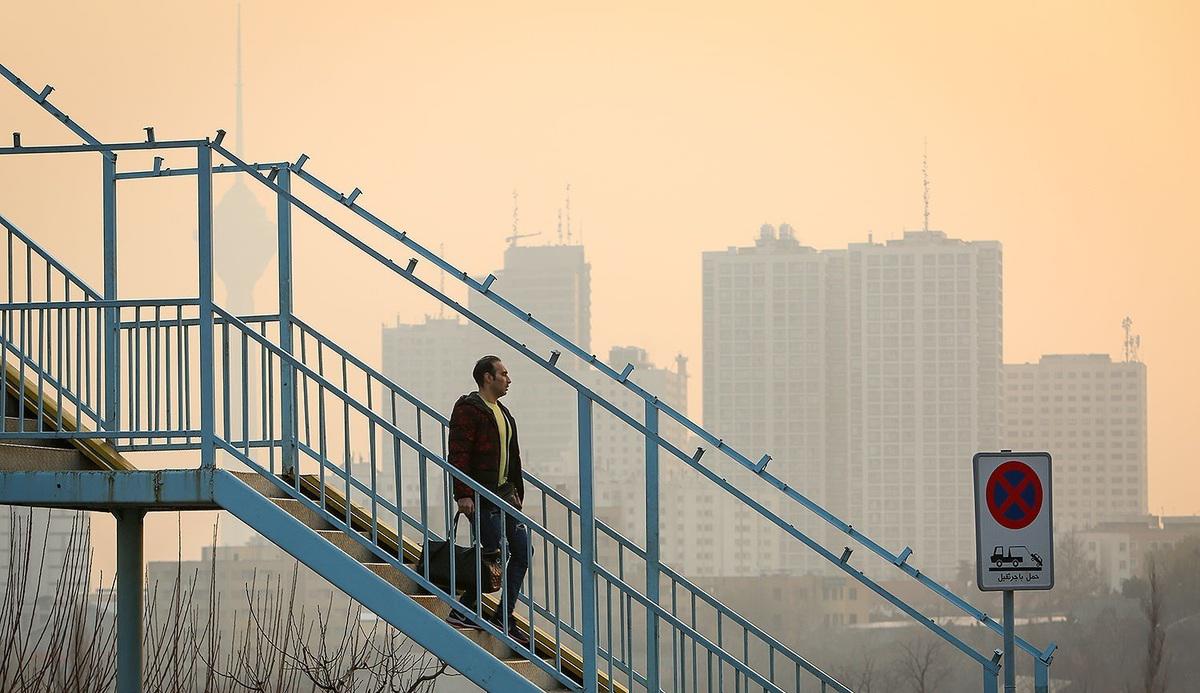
(925, 180)
(560, 226)
(568, 212)
(241, 141)
(515, 211)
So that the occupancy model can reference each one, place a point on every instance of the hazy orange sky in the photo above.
(1068, 131)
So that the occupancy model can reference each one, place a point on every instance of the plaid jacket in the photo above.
(474, 445)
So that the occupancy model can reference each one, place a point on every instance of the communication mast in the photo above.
(925, 180)
(512, 240)
(1132, 341)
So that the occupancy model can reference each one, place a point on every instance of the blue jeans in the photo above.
(517, 561)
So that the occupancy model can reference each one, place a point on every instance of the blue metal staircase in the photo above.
(290, 410)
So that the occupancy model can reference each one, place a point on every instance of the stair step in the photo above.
(302, 512)
(494, 646)
(534, 674)
(12, 424)
(395, 578)
(31, 458)
(432, 604)
(348, 544)
(261, 484)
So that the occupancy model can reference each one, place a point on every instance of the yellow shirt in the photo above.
(505, 436)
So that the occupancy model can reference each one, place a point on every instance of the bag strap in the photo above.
(454, 529)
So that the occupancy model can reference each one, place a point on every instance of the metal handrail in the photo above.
(691, 460)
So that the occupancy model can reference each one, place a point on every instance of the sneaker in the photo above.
(521, 639)
(458, 620)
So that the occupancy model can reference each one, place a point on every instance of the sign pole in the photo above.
(1010, 663)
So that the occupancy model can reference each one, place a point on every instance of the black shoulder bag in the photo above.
(442, 553)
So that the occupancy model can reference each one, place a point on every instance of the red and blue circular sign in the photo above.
(1014, 495)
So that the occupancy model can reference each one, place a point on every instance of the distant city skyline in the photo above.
(1067, 136)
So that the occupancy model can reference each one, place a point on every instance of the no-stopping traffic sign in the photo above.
(1014, 529)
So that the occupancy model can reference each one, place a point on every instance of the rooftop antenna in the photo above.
(568, 212)
(560, 226)
(925, 180)
(512, 240)
(1127, 326)
(514, 211)
(240, 142)
(1132, 341)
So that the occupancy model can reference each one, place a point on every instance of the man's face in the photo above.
(498, 382)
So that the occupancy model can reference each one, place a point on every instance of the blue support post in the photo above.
(587, 544)
(990, 683)
(653, 565)
(287, 376)
(130, 591)
(1041, 676)
(112, 314)
(208, 448)
(1010, 657)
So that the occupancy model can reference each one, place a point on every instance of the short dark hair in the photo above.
(484, 366)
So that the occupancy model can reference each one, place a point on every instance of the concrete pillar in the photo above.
(130, 593)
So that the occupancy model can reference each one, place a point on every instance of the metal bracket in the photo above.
(762, 464)
(554, 355)
(412, 265)
(846, 551)
(45, 93)
(149, 133)
(219, 138)
(903, 557)
(300, 163)
(1048, 654)
(273, 174)
(16, 140)
(698, 455)
(158, 162)
(348, 200)
(625, 373)
(997, 655)
(487, 283)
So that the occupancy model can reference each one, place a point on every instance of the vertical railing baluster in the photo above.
(587, 543)
(307, 413)
(244, 411)
(374, 478)
(4, 362)
(63, 379)
(653, 556)
(396, 472)
(156, 423)
(270, 408)
(186, 388)
(266, 396)
(41, 367)
(347, 455)
(112, 345)
(226, 406)
(135, 369)
(287, 375)
(170, 425)
(208, 449)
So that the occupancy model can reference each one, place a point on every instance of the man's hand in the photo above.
(466, 505)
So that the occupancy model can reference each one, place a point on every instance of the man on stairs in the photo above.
(483, 444)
